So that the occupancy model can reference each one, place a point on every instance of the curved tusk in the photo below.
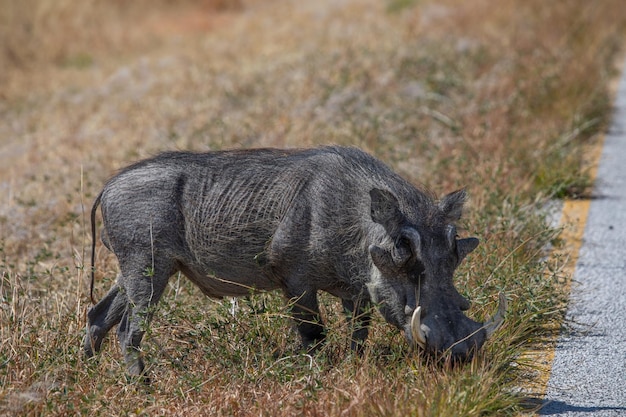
(496, 321)
(416, 328)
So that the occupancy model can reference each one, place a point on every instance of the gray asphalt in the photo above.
(589, 371)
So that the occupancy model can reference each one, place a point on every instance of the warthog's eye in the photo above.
(403, 242)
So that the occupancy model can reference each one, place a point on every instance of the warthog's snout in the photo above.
(453, 332)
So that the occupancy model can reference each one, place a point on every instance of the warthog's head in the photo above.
(412, 278)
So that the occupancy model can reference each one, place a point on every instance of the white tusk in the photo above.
(496, 321)
(416, 328)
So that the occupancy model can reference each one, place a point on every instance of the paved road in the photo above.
(589, 370)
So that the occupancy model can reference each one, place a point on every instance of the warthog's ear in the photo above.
(465, 246)
(452, 205)
(385, 210)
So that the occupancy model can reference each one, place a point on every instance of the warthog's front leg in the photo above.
(359, 319)
(305, 311)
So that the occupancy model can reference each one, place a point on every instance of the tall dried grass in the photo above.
(502, 98)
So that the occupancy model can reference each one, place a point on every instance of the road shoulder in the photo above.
(588, 375)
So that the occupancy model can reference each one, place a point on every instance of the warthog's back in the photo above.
(233, 204)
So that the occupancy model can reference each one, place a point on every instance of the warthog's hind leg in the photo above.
(102, 317)
(143, 289)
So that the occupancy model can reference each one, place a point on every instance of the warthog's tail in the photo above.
(94, 209)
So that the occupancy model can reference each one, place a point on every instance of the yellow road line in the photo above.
(573, 220)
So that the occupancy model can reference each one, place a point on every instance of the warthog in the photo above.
(333, 219)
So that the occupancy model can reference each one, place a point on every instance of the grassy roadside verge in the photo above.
(502, 100)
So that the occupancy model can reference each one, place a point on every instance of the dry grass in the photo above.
(502, 98)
